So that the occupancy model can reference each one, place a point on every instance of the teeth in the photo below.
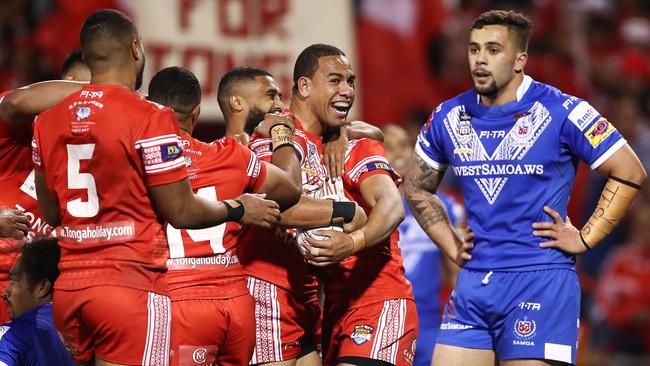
(342, 105)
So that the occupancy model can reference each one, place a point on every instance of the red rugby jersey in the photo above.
(273, 255)
(100, 149)
(374, 274)
(18, 191)
(203, 263)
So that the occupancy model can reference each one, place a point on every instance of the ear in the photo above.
(136, 49)
(196, 112)
(520, 62)
(43, 289)
(236, 103)
(304, 86)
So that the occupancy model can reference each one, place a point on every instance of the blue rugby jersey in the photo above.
(32, 340)
(513, 159)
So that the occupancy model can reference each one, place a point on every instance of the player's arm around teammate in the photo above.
(626, 175)
(337, 144)
(283, 183)
(383, 197)
(21, 105)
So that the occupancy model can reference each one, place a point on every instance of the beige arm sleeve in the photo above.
(616, 198)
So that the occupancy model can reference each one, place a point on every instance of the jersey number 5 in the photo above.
(212, 234)
(78, 180)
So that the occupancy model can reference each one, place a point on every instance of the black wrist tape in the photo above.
(346, 210)
(234, 213)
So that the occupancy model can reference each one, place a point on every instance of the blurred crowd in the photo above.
(412, 56)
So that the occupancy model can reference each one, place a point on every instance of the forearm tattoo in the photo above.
(419, 187)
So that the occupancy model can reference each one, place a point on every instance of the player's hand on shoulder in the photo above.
(13, 224)
(334, 247)
(564, 235)
(334, 154)
(242, 138)
(259, 211)
(273, 119)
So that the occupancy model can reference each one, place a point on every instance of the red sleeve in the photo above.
(5, 130)
(36, 152)
(255, 169)
(261, 146)
(364, 159)
(158, 143)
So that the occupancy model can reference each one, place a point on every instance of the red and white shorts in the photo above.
(384, 331)
(283, 322)
(117, 324)
(213, 331)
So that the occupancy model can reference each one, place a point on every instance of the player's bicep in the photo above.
(378, 187)
(422, 175)
(46, 201)
(624, 164)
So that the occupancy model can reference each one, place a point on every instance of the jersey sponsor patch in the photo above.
(170, 151)
(368, 167)
(582, 115)
(599, 132)
(361, 334)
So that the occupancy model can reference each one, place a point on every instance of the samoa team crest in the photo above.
(524, 328)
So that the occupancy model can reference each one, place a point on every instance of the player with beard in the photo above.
(212, 311)
(120, 173)
(243, 94)
(514, 144)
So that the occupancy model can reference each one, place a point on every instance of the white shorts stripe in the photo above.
(156, 349)
(268, 341)
(390, 328)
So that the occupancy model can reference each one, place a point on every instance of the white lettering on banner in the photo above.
(212, 37)
(99, 233)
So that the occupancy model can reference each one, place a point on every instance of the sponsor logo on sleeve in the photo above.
(599, 131)
(582, 115)
(361, 334)
(170, 152)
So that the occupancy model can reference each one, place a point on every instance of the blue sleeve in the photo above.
(430, 144)
(589, 135)
(9, 347)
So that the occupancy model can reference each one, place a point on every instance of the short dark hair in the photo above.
(71, 60)
(39, 261)
(105, 24)
(516, 22)
(175, 87)
(234, 77)
(307, 62)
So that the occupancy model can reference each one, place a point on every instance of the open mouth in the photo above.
(481, 75)
(341, 108)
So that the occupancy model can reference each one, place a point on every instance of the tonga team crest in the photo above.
(361, 334)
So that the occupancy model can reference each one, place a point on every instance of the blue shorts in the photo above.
(519, 315)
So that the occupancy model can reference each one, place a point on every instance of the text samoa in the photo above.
(498, 169)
